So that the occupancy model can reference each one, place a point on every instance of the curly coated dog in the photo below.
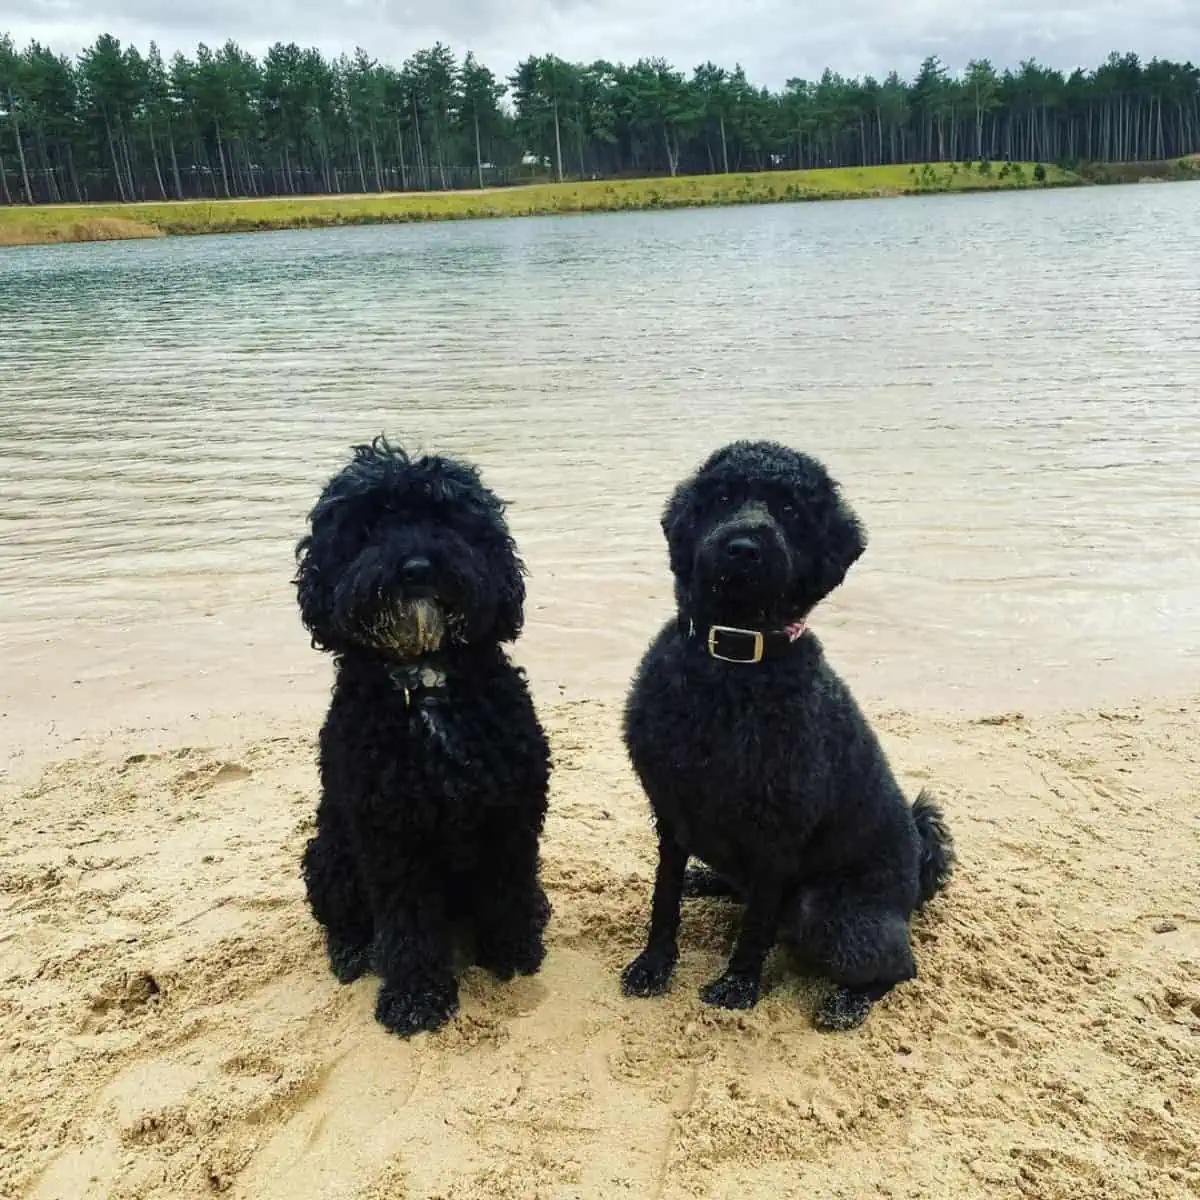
(434, 767)
(754, 755)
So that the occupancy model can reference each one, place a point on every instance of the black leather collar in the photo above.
(734, 644)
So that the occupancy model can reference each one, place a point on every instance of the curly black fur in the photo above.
(768, 772)
(434, 767)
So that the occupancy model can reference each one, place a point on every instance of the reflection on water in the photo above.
(1006, 385)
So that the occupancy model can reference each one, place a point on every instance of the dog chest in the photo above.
(733, 762)
(434, 764)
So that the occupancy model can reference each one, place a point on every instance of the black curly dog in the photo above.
(754, 755)
(434, 767)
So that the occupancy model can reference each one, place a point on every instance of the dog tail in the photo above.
(937, 847)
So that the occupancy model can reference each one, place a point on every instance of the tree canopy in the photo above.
(120, 124)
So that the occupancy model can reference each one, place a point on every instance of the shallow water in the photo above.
(1007, 386)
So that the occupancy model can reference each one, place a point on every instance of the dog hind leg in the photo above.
(511, 909)
(858, 945)
(702, 882)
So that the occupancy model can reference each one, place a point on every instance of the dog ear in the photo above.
(317, 567)
(510, 610)
(311, 595)
(841, 538)
(677, 529)
(506, 565)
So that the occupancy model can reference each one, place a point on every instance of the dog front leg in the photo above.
(738, 986)
(650, 973)
(418, 992)
(511, 906)
(335, 893)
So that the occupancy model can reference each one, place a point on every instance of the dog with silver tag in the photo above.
(755, 757)
(434, 767)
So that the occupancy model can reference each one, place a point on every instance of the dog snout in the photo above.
(744, 549)
(416, 571)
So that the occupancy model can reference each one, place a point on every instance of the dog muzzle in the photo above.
(409, 629)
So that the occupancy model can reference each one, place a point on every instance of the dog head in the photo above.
(406, 556)
(759, 536)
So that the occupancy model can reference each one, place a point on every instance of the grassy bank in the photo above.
(21, 225)
(1167, 170)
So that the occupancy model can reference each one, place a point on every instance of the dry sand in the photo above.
(169, 1027)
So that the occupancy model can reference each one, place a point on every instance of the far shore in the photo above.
(22, 225)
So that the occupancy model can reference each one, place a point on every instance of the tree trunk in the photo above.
(174, 163)
(422, 163)
(287, 167)
(672, 154)
(12, 109)
(362, 171)
(478, 151)
(437, 149)
(127, 159)
(4, 192)
(246, 170)
(157, 168)
(327, 176)
(221, 160)
(112, 149)
(49, 168)
(403, 167)
(375, 158)
(558, 143)
(73, 175)
(724, 147)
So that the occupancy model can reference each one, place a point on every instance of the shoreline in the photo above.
(51, 224)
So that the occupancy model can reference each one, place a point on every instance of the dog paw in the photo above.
(731, 991)
(842, 1010)
(347, 962)
(650, 973)
(419, 1011)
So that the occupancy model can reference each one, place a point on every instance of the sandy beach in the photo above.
(170, 1028)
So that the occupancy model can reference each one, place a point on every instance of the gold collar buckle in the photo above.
(756, 634)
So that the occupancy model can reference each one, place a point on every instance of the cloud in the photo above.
(773, 39)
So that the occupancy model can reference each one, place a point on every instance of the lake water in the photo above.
(1008, 387)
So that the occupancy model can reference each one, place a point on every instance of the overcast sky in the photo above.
(773, 39)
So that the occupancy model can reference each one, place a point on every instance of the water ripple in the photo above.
(1006, 384)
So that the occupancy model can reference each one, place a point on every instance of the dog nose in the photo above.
(744, 550)
(415, 571)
